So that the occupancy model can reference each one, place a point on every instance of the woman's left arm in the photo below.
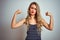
(50, 25)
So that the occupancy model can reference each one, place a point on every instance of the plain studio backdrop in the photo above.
(7, 9)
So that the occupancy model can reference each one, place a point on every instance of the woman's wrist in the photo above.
(51, 16)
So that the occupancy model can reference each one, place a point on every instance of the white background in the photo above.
(7, 9)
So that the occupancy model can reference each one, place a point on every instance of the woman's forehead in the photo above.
(33, 5)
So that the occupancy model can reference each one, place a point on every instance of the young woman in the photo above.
(34, 22)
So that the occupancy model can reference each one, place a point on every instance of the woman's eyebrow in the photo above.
(33, 7)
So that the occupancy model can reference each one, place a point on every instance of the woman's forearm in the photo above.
(51, 22)
(13, 21)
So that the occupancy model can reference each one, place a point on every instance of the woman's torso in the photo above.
(32, 33)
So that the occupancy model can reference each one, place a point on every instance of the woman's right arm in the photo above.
(15, 24)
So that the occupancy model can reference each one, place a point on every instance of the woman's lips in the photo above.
(32, 11)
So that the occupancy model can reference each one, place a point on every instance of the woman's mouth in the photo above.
(32, 11)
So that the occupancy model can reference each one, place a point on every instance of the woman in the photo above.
(34, 22)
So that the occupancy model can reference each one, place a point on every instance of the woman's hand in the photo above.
(48, 14)
(18, 11)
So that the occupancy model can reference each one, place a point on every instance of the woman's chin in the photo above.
(32, 13)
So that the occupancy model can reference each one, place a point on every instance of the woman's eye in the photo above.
(33, 8)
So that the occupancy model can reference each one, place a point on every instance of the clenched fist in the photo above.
(18, 11)
(48, 14)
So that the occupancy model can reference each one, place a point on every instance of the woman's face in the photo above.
(32, 9)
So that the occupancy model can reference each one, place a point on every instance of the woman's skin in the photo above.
(32, 20)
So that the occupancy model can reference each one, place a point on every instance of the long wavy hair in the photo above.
(37, 16)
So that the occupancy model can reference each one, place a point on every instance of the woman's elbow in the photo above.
(12, 26)
(51, 29)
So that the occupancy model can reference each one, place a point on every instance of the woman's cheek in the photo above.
(34, 11)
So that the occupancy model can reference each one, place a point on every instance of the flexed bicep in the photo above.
(45, 24)
(18, 24)
(15, 24)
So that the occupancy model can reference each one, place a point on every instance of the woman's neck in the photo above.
(32, 16)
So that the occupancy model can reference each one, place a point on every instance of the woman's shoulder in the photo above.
(42, 20)
(24, 19)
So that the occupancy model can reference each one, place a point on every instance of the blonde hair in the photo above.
(37, 16)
